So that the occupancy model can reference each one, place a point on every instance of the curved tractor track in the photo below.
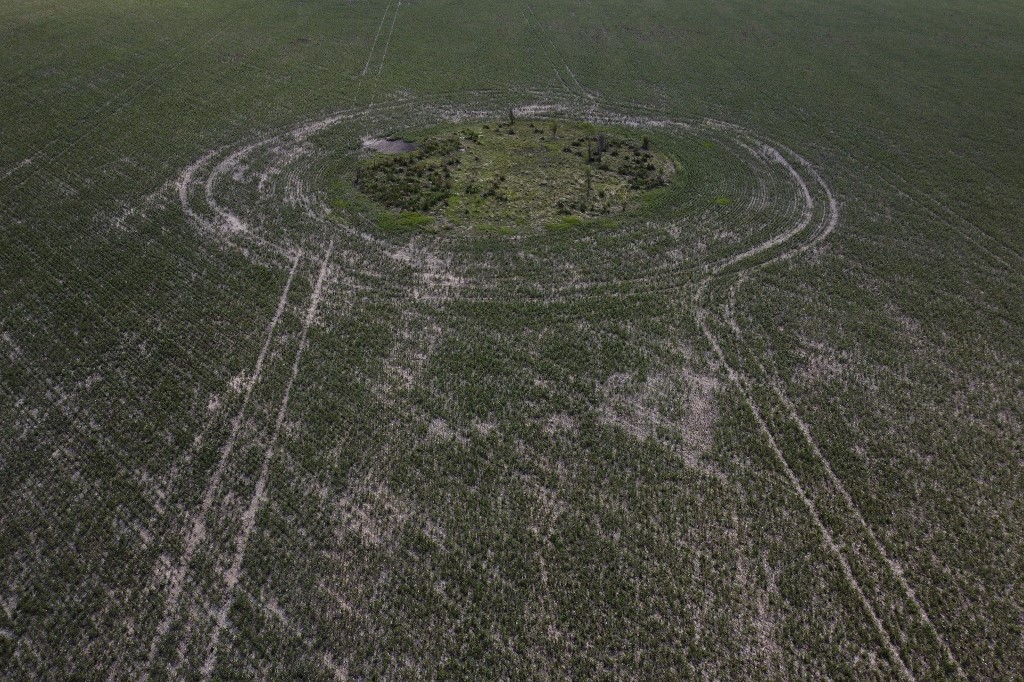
(262, 198)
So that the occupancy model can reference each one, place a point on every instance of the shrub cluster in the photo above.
(415, 181)
(633, 161)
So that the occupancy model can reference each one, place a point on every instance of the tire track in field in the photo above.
(827, 538)
(743, 385)
(547, 53)
(894, 567)
(198, 531)
(778, 247)
(806, 214)
(375, 39)
(259, 496)
(826, 225)
(888, 565)
(387, 43)
(374, 90)
(565, 65)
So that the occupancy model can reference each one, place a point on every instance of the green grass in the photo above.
(565, 223)
(406, 220)
(519, 174)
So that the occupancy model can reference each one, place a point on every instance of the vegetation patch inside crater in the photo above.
(519, 173)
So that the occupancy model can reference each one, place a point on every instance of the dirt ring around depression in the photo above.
(743, 201)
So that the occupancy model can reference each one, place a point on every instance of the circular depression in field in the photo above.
(710, 193)
(511, 176)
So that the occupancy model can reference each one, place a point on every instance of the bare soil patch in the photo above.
(388, 146)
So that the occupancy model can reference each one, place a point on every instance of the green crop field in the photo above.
(588, 339)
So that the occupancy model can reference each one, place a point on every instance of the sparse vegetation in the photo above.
(415, 181)
(481, 175)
